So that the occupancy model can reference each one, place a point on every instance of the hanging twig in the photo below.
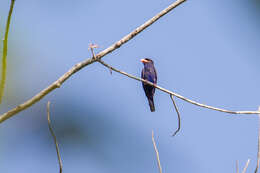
(157, 154)
(54, 137)
(179, 116)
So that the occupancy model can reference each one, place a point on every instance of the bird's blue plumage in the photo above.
(149, 74)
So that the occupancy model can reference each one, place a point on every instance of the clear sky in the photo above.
(204, 50)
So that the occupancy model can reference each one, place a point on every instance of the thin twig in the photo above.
(237, 169)
(54, 137)
(179, 116)
(178, 95)
(91, 47)
(87, 62)
(246, 166)
(157, 154)
(258, 152)
(5, 47)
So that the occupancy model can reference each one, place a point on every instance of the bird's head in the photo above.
(146, 61)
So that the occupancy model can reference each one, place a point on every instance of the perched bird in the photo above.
(149, 74)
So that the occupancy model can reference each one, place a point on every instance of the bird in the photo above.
(149, 74)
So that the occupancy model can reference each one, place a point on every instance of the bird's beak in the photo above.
(144, 61)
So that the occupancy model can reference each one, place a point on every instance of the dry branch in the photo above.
(258, 152)
(54, 137)
(246, 166)
(237, 169)
(179, 116)
(86, 62)
(157, 154)
(178, 95)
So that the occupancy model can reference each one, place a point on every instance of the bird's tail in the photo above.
(151, 104)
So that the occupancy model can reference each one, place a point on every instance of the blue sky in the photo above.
(204, 50)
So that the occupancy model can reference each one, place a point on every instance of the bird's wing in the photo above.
(155, 76)
(142, 74)
(150, 75)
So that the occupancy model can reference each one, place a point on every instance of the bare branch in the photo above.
(246, 166)
(87, 62)
(157, 154)
(237, 169)
(177, 95)
(5, 47)
(54, 137)
(179, 116)
(258, 153)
